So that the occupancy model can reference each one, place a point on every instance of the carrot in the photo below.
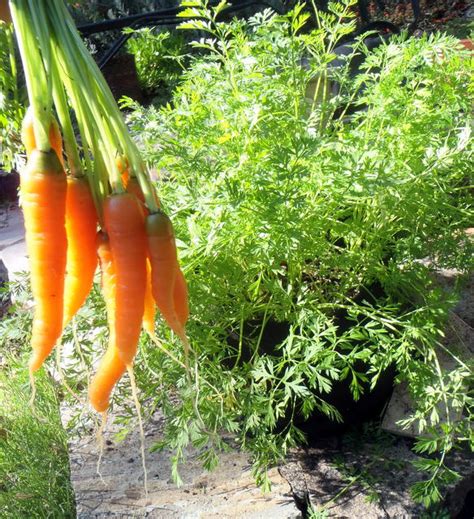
(104, 254)
(28, 136)
(124, 223)
(111, 367)
(124, 170)
(109, 372)
(164, 268)
(149, 312)
(134, 187)
(181, 298)
(81, 228)
(43, 197)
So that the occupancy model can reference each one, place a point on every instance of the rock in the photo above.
(465, 308)
(447, 279)
(458, 339)
(457, 497)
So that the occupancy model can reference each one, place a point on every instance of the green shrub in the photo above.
(289, 210)
(34, 464)
(160, 58)
(91, 11)
(11, 101)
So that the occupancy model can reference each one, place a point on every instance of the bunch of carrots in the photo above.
(88, 205)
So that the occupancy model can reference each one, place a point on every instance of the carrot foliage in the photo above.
(309, 209)
(311, 206)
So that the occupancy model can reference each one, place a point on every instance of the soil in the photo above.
(368, 474)
(436, 15)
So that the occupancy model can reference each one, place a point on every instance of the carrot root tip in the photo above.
(33, 388)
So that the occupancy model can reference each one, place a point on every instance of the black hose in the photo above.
(128, 21)
(155, 18)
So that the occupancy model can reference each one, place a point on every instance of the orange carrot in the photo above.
(109, 372)
(81, 228)
(104, 254)
(111, 367)
(43, 198)
(133, 187)
(181, 298)
(164, 268)
(28, 136)
(124, 170)
(124, 223)
(150, 307)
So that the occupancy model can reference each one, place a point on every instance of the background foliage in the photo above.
(12, 101)
(160, 59)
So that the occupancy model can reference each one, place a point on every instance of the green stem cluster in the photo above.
(110, 135)
(47, 34)
(11, 53)
(35, 76)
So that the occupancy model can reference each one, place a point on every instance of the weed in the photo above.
(34, 464)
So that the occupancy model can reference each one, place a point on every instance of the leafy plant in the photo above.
(90, 11)
(291, 211)
(160, 58)
(11, 100)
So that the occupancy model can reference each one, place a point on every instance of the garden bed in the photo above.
(308, 230)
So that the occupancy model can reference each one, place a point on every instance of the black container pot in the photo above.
(368, 407)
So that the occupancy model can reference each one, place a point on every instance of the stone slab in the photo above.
(227, 492)
(446, 279)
